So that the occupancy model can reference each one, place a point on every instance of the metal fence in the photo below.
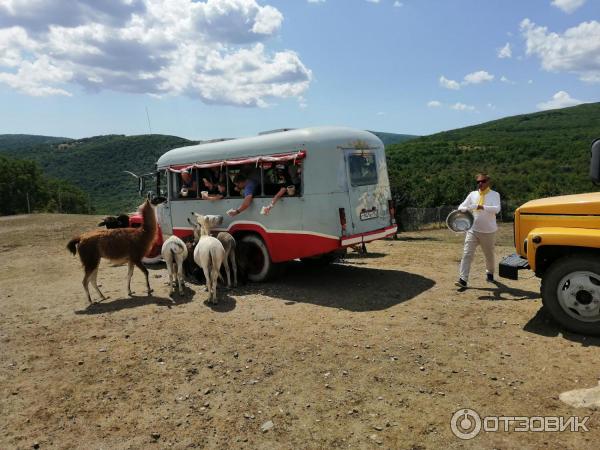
(412, 219)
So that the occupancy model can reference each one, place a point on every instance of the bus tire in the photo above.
(571, 293)
(260, 267)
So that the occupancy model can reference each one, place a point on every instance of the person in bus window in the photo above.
(285, 185)
(212, 178)
(247, 188)
(221, 192)
(188, 185)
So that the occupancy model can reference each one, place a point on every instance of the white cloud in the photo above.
(491, 106)
(506, 80)
(434, 104)
(478, 77)
(505, 52)
(462, 107)
(316, 1)
(529, 81)
(398, 4)
(561, 99)
(373, 1)
(568, 6)
(212, 50)
(577, 50)
(449, 84)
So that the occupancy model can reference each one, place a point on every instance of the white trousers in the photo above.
(472, 240)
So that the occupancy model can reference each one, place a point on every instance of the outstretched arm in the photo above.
(245, 204)
(279, 194)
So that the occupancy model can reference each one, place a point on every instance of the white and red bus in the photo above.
(341, 193)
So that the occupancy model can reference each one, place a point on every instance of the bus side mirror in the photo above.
(595, 162)
(141, 185)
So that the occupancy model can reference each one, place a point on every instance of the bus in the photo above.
(338, 194)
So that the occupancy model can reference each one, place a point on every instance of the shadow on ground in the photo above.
(417, 238)
(500, 291)
(542, 324)
(135, 301)
(343, 286)
(226, 302)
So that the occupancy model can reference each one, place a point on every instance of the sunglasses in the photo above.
(481, 181)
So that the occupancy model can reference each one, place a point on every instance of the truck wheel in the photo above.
(259, 264)
(571, 293)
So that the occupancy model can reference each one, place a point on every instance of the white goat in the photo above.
(209, 253)
(174, 252)
(229, 244)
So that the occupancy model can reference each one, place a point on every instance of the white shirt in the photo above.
(485, 219)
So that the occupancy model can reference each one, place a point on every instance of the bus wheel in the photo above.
(571, 293)
(259, 265)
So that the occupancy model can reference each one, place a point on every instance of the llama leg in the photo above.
(214, 275)
(143, 269)
(180, 276)
(226, 265)
(85, 282)
(208, 281)
(93, 277)
(171, 277)
(233, 268)
(129, 275)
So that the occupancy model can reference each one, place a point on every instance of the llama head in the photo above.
(209, 221)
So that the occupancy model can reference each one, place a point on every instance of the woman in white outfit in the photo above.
(484, 204)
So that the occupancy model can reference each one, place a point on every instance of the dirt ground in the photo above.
(375, 352)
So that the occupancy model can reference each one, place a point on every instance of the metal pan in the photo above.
(460, 221)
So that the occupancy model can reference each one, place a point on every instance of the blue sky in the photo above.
(229, 68)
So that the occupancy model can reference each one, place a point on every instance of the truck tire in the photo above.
(260, 267)
(571, 293)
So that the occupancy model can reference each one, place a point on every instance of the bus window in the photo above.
(186, 184)
(250, 172)
(363, 169)
(278, 175)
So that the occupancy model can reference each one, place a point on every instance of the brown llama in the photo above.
(118, 245)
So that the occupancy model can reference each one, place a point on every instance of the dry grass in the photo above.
(376, 352)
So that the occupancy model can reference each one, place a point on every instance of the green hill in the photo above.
(22, 141)
(393, 138)
(529, 156)
(96, 165)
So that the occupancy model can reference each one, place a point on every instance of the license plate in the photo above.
(366, 215)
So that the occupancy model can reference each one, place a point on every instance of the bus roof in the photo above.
(266, 144)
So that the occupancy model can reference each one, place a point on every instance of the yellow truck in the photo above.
(558, 238)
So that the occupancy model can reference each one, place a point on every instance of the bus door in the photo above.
(369, 211)
(163, 210)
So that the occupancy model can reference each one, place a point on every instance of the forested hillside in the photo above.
(22, 141)
(24, 188)
(529, 156)
(96, 165)
(393, 138)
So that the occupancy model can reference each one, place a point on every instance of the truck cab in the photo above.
(558, 238)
